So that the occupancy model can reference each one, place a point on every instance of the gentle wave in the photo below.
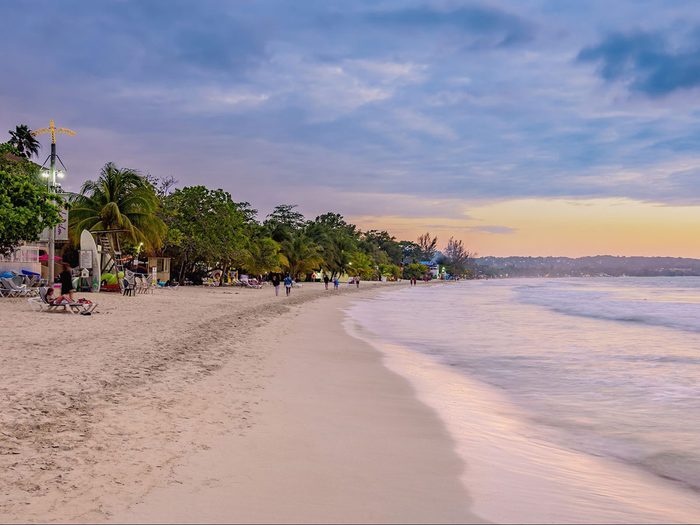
(665, 304)
(605, 367)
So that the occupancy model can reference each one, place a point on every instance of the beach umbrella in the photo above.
(45, 257)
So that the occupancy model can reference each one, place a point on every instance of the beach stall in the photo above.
(162, 266)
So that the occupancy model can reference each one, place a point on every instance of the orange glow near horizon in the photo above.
(560, 227)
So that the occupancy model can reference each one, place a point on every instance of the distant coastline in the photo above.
(595, 266)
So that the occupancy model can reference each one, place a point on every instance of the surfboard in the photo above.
(87, 242)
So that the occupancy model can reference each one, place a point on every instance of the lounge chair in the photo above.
(254, 283)
(74, 307)
(15, 289)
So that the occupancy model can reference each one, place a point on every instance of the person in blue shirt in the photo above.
(288, 285)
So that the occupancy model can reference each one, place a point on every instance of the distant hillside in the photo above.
(597, 266)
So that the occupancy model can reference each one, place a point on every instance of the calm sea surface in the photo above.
(601, 373)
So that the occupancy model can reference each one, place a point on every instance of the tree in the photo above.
(162, 186)
(263, 256)
(410, 252)
(392, 271)
(362, 265)
(22, 139)
(283, 222)
(337, 241)
(205, 226)
(456, 257)
(249, 213)
(302, 254)
(120, 199)
(376, 242)
(26, 209)
(414, 271)
(427, 246)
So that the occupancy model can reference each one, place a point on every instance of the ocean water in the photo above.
(576, 399)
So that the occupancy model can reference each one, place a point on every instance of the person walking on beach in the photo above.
(326, 280)
(336, 284)
(288, 285)
(276, 283)
(357, 281)
(66, 279)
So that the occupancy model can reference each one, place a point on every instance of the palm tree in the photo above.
(263, 255)
(22, 139)
(302, 254)
(120, 199)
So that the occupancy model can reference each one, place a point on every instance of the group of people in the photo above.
(276, 281)
(327, 280)
(288, 282)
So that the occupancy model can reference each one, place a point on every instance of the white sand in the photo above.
(212, 405)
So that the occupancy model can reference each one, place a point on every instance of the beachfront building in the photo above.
(162, 266)
(25, 257)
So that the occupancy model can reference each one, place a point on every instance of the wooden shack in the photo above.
(162, 266)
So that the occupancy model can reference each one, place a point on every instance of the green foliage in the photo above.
(384, 247)
(248, 212)
(264, 256)
(410, 251)
(414, 271)
(427, 247)
(6, 147)
(26, 208)
(24, 142)
(302, 253)
(284, 222)
(337, 241)
(205, 226)
(363, 265)
(457, 258)
(120, 199)
(390, 271)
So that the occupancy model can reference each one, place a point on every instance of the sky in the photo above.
(523, 128)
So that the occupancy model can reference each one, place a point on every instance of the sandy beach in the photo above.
(214, 405)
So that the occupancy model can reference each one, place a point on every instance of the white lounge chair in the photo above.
(75, 307)
(16, 289)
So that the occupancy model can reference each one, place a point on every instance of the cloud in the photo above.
(491, 27)
(500, 230)
(432, 101)
(647, 62)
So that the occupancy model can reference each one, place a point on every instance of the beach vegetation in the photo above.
(26, 208)
(121, 200)
(410, 252)
(206, 232)
(457, 259)
(204, 227)
(392, 272)
(25, 144)
(414, 271)
(284, 222)
(363, 266)
(264, 255)
(337, 241)
(383, 248)
(427, 247)
(303, 255)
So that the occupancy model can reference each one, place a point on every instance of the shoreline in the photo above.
(98, 422)
(339, 439)
(547, 480)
